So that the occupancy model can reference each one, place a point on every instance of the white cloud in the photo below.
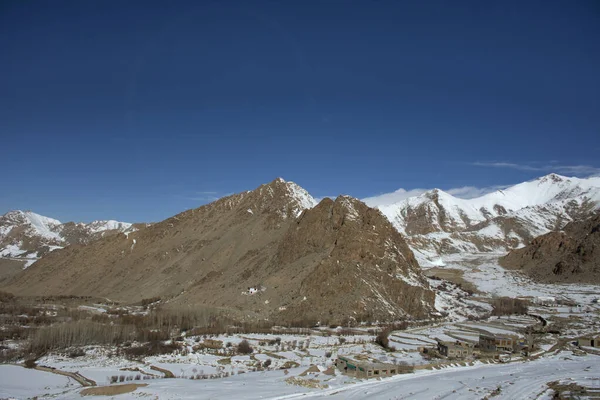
(385, 199)
(470, 192)
(582, 170)
(202, 196)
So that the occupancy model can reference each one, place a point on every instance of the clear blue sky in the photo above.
(139, 110)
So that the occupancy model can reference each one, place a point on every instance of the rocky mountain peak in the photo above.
(17, 216)
(286, 199)
(29, 218)
(552, 178)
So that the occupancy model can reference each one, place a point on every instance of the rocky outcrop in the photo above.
(268, 253)
(360, 266)
(568, 256)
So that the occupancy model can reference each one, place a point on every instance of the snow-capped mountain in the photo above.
(27, 236)
(436, 222)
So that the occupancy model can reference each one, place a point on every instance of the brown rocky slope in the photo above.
(571, 255)
(261, 253)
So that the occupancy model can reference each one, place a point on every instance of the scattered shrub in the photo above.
(382, 338)
(30, 363)
(76, 353)
(244, 347)
(6, 296)
(150, 349)
(147, 302)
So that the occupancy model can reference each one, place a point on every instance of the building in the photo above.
(363, 369)
(457, 349)
(589, 341)
(497, 343)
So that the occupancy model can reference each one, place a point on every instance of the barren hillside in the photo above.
(265, 252)
(570, 255)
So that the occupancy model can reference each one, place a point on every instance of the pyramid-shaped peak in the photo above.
(347, 200)
(13, 214)
(435, 193)
(352, 205)
(552, 178)
(281, 196)
(30, 217)
(279, 181)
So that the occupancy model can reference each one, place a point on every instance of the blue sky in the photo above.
(139, 110)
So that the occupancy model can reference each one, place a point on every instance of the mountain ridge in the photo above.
(438, 223)
(27, 236)
(270, 252)
(435, 222)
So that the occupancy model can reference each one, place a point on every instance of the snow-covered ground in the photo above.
(522, 380)
(20, 383)
(484, 271)
(510, 381)
(220, 374)
(275, 369)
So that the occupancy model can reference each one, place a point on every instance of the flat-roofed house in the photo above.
(363, 369)
(589, 341)
(457, 349)
(497, 343)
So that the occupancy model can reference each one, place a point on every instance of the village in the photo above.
(324, 356)
(526, 326)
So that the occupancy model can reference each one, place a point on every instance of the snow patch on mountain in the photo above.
(43, 225)
(25, 235)
(304, 199)
(10, 251)
(101, 226)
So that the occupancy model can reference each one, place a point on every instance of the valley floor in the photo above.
(299, 365)
(520, 380)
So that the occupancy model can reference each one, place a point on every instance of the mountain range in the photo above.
(437, 223)
(26, 236)
(274, 252)
(271, 252)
